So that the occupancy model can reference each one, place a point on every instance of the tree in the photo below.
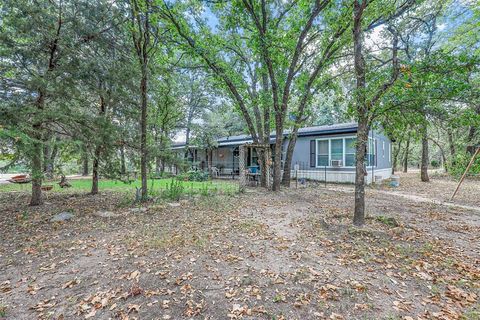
(145, 36)
(264, 76)
(41, 46)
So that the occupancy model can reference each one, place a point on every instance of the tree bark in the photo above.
(424, 165)
(37, 153)
(277, 166)
(396, 152)
(123, 166)
(362, 113)
(95, 165)
(424, 162)
(84, 161)
(451, 144)
(405, 157)
(360, 172)
(287, 168)
(37, 175)
(98, 151)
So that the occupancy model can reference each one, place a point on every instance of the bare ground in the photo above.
(260, 255)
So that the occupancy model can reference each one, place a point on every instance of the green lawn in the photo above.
(106, 184)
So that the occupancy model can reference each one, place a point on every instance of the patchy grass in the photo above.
(155, 185)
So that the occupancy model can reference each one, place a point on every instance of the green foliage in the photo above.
(174, 190)
(460, 162)
(194, 175)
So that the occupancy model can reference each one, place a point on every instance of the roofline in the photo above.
(352, 129)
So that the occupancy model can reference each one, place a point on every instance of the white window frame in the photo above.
(383, 149)
(316, 152)
(344, 147)
(330, 151)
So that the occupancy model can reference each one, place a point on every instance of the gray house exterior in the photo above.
(321, 152)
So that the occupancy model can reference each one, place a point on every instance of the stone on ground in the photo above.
(62, 216)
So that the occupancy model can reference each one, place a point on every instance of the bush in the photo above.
(174, 190)
(435, 164)
(460, 163)
(194, 175)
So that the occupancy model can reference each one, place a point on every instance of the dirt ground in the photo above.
(258, 255)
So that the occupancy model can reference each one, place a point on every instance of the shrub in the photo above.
(435, 163)
(174, 190)
(194, 175)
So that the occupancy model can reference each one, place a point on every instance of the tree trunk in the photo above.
(451, 144)
(143, 131)
(277, 169)
(396, 152)
(98, 151)
(362, 114)
(360, 172)
(37, 153)
(424, 165)
(287, 168)
(37, 174)
(85, 162)
(123, 167)
(158, 166)
(405, 158)
(95, 165)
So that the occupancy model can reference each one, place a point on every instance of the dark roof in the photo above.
(302, 132)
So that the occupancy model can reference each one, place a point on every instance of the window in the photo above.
(350, 144)
(344, 149)
(336, 149)
(254, 157)
(322, 153)
(383, 149)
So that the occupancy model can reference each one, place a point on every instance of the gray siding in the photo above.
(301, 153)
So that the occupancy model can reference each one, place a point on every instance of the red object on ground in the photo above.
(22, 178)
(47, 188)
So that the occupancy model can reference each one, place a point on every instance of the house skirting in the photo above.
(341, 176)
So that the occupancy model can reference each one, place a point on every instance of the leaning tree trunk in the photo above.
(424, 165)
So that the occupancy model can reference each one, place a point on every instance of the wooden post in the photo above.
(465, 173)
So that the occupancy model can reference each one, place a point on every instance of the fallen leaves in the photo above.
(70, 283)
(460, 297)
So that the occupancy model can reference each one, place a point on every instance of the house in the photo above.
(320, 151)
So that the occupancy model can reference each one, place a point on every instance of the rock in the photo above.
(62, 216)
(105, 214)
(174, 204)
(141, 209)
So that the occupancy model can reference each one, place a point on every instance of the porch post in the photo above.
(241, 168)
